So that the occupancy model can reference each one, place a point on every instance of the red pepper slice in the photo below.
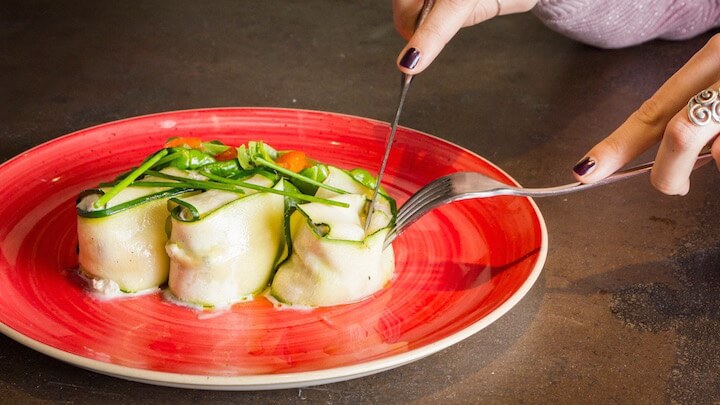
(295, 161)
(229, 154)
(189, 142)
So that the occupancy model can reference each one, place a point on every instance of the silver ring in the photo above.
(499, 3)
(704, 107)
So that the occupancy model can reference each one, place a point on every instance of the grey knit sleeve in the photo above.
(620, 23)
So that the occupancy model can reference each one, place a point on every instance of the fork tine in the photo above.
(429, 205)
(438, 187)
(420, 210)
(453, 187)
(426, 199)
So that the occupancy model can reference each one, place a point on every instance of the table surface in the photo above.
(626, 307)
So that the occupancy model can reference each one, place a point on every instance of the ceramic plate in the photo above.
(457, 270)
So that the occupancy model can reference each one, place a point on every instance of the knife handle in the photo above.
(427, 6)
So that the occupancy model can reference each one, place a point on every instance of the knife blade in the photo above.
(406, 79)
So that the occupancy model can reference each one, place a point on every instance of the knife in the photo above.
(406, 79)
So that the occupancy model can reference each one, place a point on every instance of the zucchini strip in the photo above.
(132, 203)
(183, 207)
(102, 201)
(221, 183)
(151, 184)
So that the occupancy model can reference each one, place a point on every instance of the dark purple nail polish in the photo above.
(584, 167)
(410, 59)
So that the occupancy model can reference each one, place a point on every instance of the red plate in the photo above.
(457, 269)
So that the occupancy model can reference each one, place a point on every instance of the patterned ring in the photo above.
(704, 107)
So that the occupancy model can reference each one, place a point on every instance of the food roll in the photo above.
(333, 259)
(122, 245)
(224, 246)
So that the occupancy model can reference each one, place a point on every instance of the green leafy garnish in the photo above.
(253, 158)
(227, 168)
(294, 175)
(188, 159)
(363, 177)
(214, 147)
(258, 154)
(318, 173)
(295, 195)
(248, 155)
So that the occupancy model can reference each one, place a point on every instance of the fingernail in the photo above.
(585, 166)
(410, 59)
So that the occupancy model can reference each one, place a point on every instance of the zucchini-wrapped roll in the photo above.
(333, 260)
(122, 242)
(224, 246)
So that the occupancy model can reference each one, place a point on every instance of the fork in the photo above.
(467, 185)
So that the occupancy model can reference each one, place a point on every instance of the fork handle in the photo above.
(617, 176)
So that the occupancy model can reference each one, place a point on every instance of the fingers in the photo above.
(715, 151)
(647, 126)
(441, 24)
(682, 142)
(638, 133)
(405, 13)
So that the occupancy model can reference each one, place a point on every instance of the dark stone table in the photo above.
(626, 309)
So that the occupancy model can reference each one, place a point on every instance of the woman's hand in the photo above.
(663, 119)
(441, 24)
